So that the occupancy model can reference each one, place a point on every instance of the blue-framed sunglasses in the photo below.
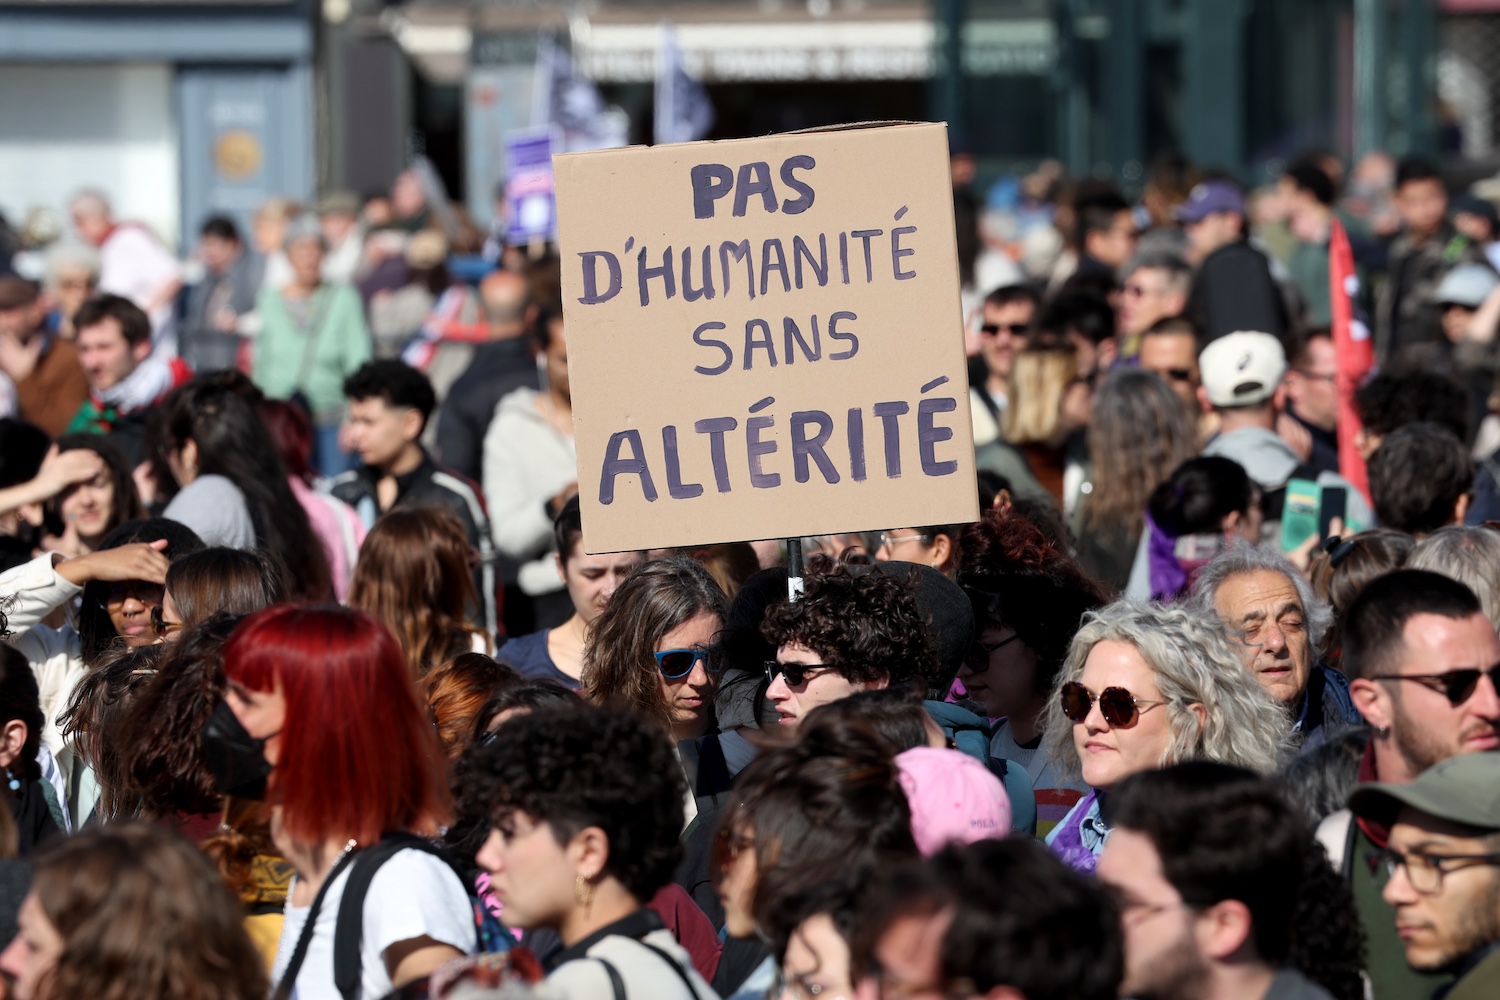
(675, 663)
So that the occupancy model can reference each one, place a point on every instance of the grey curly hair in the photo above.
(1242, 557)
(1194, 664)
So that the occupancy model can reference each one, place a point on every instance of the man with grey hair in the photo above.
(1278, 624)
(1156, 288)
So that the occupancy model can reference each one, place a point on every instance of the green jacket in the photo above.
(1390, 976)
(1481, 983)
(314, 361)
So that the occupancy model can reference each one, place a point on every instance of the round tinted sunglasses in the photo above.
(676, 663)
(1119, 707)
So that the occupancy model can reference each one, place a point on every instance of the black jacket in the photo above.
(431, 485)
(498, 368)
(1233, 291)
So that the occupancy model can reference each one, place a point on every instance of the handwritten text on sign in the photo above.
(776, 315)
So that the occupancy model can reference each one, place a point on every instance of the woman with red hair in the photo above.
(321, 721)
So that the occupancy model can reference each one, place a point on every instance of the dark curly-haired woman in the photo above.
(854, 629)
(585, 804)
(1029, 597)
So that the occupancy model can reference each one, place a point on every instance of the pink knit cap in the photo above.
(953, 798)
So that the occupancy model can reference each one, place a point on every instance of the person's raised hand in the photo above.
(138, 561)
(68, 468)
(1301, 557)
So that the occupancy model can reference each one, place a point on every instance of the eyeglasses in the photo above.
(160, 625)
(1118, 706)
(1015, 329)
(1424, 871)
(675, 663)
(1316, 376)
(796, 674)
(979, 652)
(1457, 685)
(143, 591)
(892, 541)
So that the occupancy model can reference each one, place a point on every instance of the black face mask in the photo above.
(237, 759)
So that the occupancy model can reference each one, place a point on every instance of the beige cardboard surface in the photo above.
(829, 395)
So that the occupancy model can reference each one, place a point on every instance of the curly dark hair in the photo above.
(580, 765)
(1017, 575)
(160, 732)
(1328, 941)
(865, 626)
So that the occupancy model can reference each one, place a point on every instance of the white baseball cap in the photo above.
(1242, 368)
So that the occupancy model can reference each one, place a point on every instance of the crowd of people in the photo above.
(311, 687)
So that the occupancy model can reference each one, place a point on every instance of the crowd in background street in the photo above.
(311, 687)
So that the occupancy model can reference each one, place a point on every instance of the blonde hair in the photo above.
(1194, 663)
(1038, 380)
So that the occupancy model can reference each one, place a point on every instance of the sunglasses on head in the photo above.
(1016, 329)
(1119, 707)
(1457, 686)
(796, 674)
(675, 663)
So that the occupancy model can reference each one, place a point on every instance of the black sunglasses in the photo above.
(159, 623)
(1457, 685)
(1016, 329)
(1119, 707)
(796, 674)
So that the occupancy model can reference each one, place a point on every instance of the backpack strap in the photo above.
(676, 967)
(299, 953)
(349, 932)
(616, 983)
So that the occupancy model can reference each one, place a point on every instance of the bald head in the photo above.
(507, 300)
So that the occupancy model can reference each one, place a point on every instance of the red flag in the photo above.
(1353, 348)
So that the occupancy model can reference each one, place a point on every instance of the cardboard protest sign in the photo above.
(765, 338)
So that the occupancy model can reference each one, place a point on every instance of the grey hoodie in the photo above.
(1270, 461)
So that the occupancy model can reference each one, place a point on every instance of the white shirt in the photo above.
(134, 264)
(412, 895)
(645, 974)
